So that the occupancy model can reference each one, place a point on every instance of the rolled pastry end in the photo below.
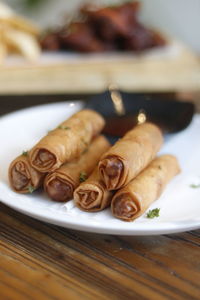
(43, 160)
(125, 207)
(59, 190)
(90, 198)
(111, 171)
(19, 175)
(22, 177)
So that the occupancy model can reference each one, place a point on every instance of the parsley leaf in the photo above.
(153, 213)
(31, 189)
(25, 153)
(64, 127)
(82, 177)
(195, 186)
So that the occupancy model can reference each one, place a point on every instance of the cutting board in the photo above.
(172, 68)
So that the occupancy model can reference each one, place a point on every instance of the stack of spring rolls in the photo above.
(129, 177)
(75, 161)
(62, 158)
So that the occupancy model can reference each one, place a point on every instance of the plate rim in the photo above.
(103, 230)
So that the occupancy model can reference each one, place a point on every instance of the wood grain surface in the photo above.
(155, 73)
(43, 261)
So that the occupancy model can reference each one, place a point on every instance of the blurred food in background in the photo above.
(17, 35)
(130, 52)
(101, 29)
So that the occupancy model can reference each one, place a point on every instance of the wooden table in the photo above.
(43, 261)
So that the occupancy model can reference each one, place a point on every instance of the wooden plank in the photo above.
(98, 266)
(141, 74)
(22, 274)
(75, 263)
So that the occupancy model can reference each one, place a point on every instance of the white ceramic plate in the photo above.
(179, 205)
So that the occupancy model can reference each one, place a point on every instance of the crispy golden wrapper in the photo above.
(22, 177)
(92, 194)
(67, 142)
(130, 155)
(132, 201)
(61, 183)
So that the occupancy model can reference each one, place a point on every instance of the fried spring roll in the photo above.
(61, 184)
(132, 201)
(67, 141)
(92, 194)
(22, 177)
(130, 155)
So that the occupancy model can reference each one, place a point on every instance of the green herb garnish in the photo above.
(195, 186)
(25, 153)
(154, 213)
(82, 177)
(64, 127)
(31, 189)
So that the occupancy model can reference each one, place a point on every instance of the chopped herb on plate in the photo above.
(195, 186)
(25, 153)
(31, 189)
(64, 127)
(154, 213)
(82, 177)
